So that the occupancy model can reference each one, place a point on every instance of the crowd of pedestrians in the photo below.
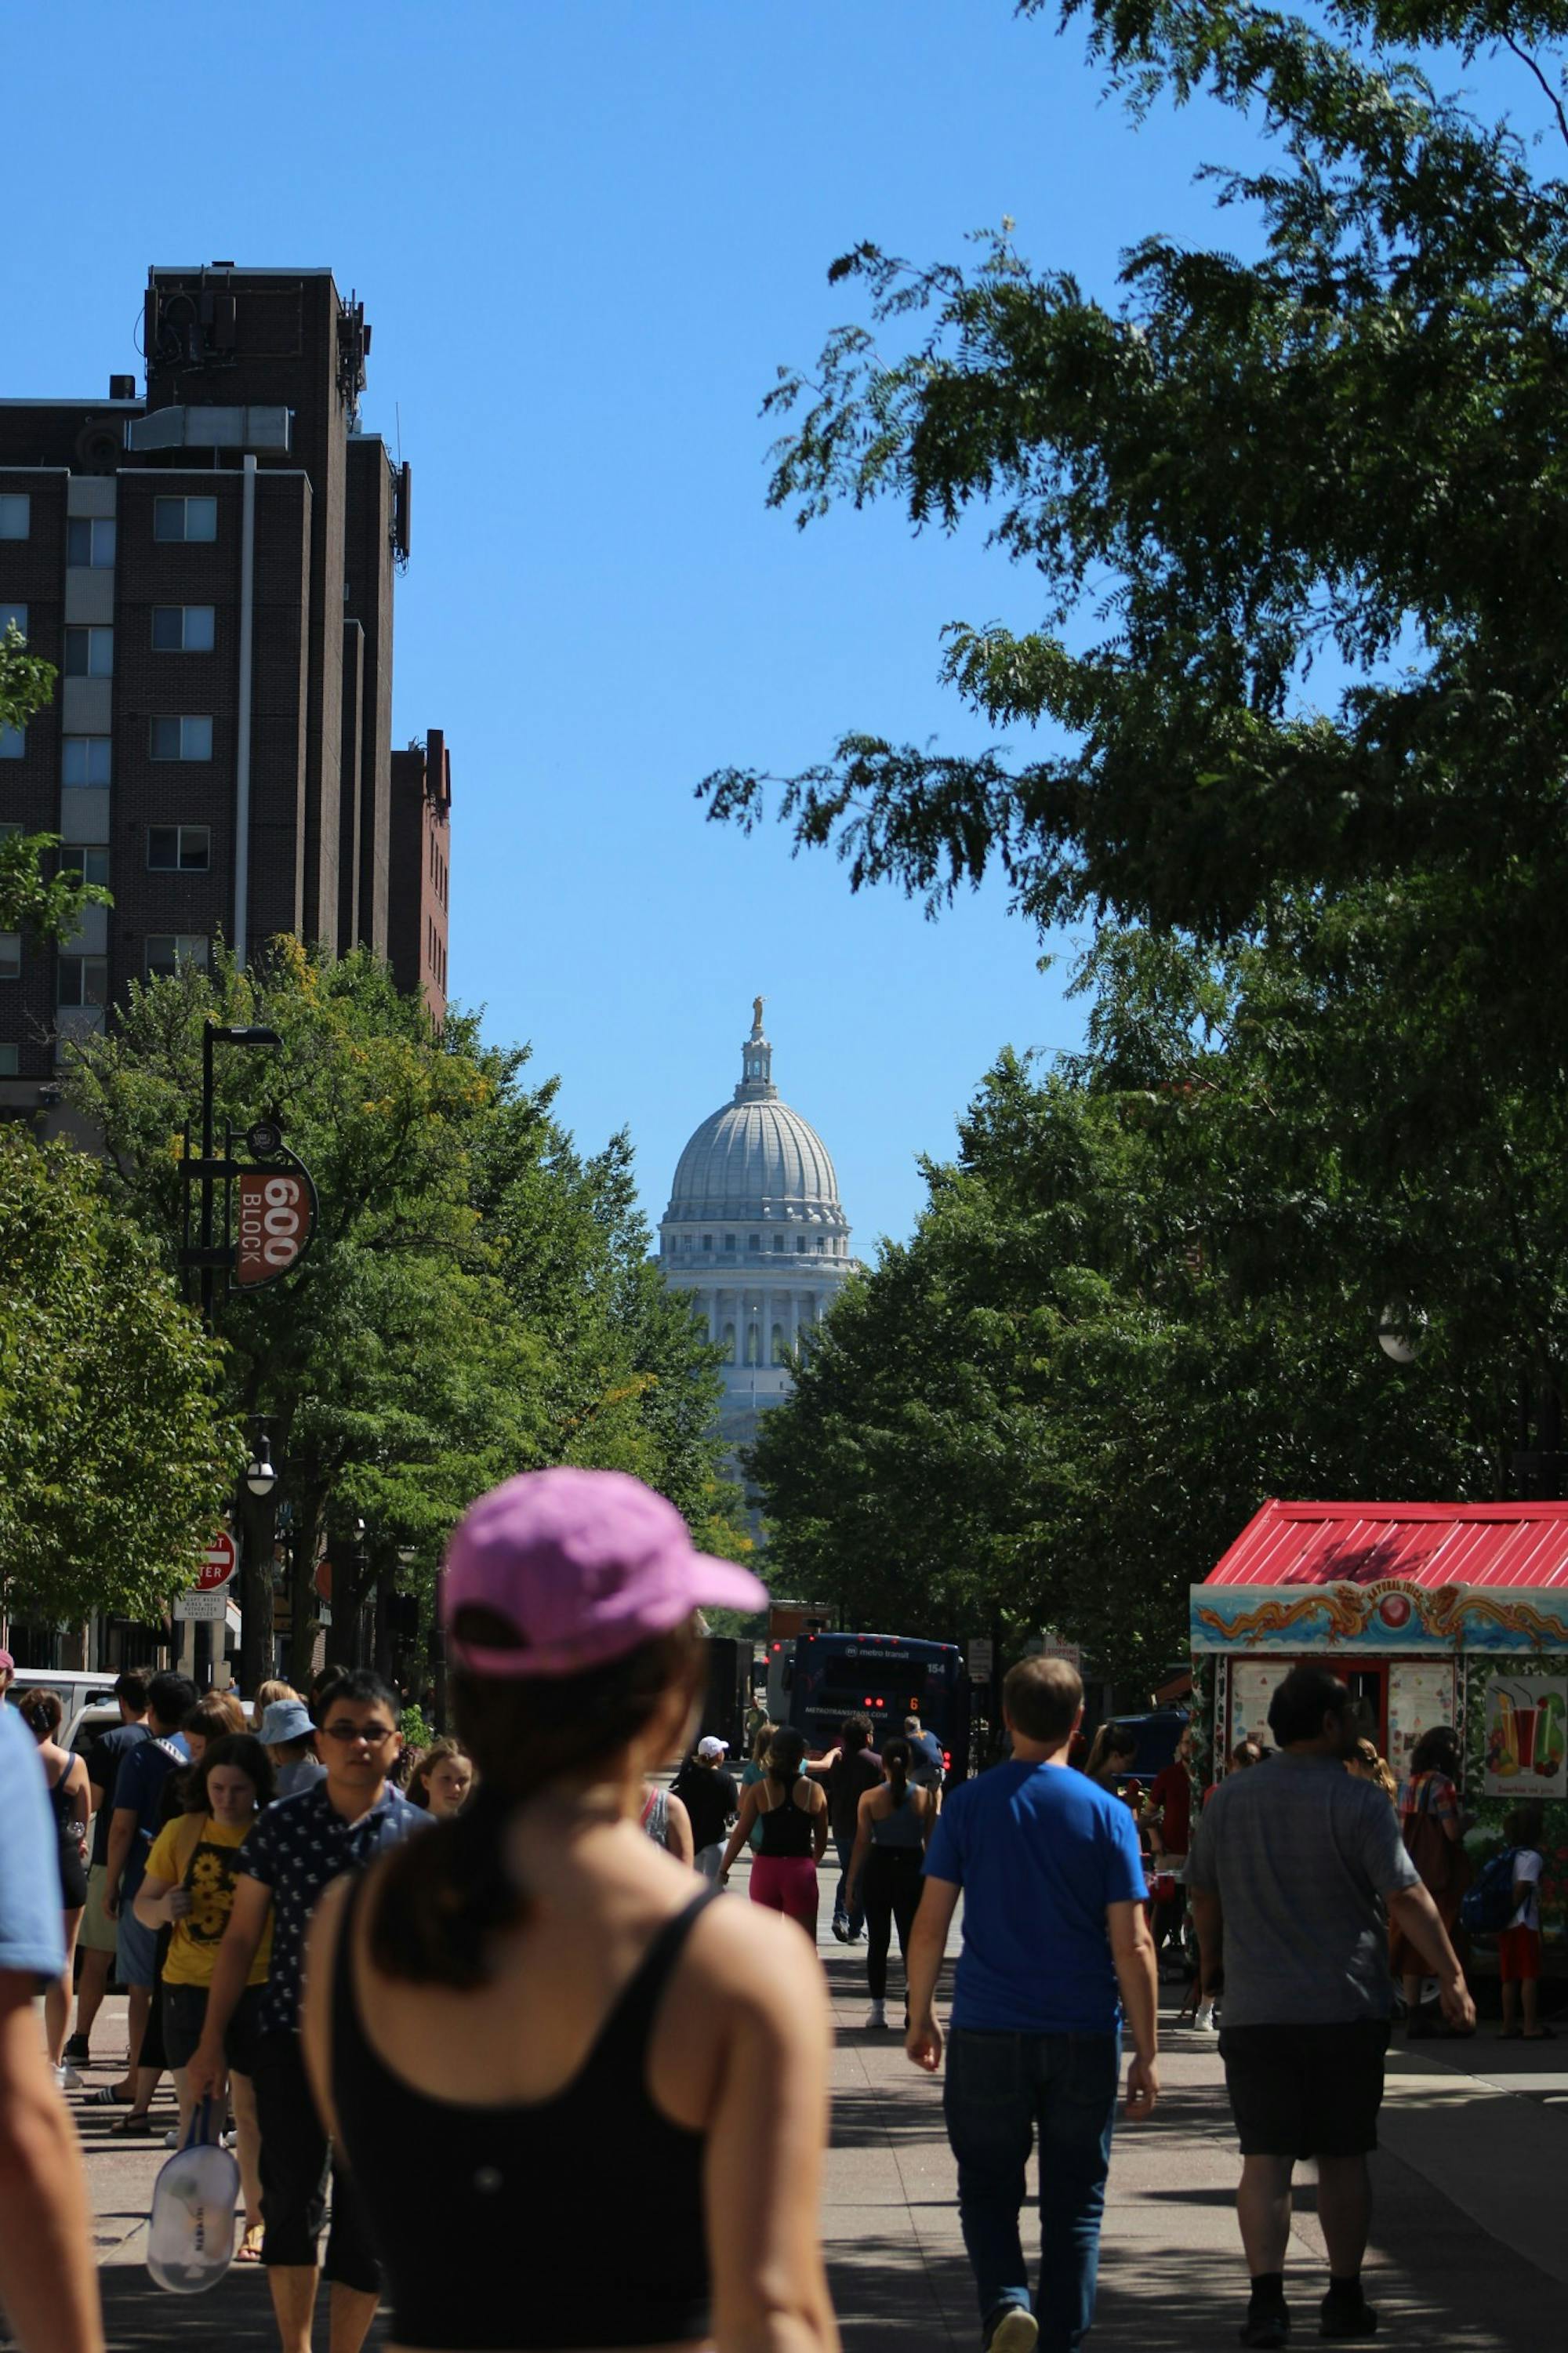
(494, 1956)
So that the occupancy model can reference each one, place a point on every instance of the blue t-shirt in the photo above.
(138, 1789)
(30, 1923)
(1040, 1851)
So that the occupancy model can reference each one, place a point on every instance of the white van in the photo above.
(76, 1689)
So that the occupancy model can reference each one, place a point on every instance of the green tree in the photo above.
(1145, 1297)
(116, 1457)
(46, 907)
(1291, 517)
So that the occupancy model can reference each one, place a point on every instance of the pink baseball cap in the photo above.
(583, 1566)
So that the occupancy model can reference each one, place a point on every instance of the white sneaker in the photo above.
(877, 2014)
(172, 2137)
(1016, 2333)
(1205, 2019)
(66, 2077)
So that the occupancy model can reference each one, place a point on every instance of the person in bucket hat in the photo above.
(531, 1987)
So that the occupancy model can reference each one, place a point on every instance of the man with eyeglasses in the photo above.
(297, 1848)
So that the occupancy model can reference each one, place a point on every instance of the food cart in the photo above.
(1432, 1613)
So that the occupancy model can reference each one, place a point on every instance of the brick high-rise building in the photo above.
(210, 568)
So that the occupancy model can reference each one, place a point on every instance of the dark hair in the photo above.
(241, 1749)
(855, 1734)
(132, 1687)
(1042, 1697)
(41, 1712)
(323, 1684)
(1436, 1751)
(443, 1895)
(215, 1717)
(896, 1765)
(361, 1686)
(1112, 1739)
(1298, 1708)
(171, 1697)
(786, 1754)
(1525, 1824)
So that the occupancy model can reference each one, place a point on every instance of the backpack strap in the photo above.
(187, 1841)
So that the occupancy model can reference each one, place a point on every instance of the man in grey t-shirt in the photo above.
(1290, 1869)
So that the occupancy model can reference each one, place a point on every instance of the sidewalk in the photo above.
(1469, 2252)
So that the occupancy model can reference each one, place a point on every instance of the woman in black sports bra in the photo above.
(530, 1995)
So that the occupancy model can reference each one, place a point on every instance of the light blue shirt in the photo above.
(32, 1936)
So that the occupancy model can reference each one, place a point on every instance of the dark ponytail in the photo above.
(895, 1765)
(445, 1892)
(786, 1754)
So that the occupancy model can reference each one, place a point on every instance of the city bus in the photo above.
(884, 1676)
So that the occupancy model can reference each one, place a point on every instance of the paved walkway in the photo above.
(1470, 2246)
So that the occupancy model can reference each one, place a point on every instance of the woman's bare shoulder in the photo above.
(746, 1950)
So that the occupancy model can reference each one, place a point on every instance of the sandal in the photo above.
(108, 2096)
(1541, 2034)
(136, 2126)
(249, 2248)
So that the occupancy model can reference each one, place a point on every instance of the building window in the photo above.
(754, 1241)
(166, 951)
(9, 1062)
(85, 861)
(14, 616)
(10, 955)
(179, 849)
(728, 1344)
(187, 738)
(800, 1242)
(822, 1242)
(83, 980)
(185, 519)
(778, 1241)
(13, 742)
(15, 514)
(182, 628)
(729, 1241)
(90, 653)
(781, 1347)
(707, 1241)
(85, 760)
(90, 540)
(754, 1343)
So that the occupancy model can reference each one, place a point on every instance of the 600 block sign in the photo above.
(276, 1211)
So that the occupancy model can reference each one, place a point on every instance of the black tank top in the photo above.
(786, 1830)
(497, 2239)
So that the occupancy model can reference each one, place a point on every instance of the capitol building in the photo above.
(756, 1236)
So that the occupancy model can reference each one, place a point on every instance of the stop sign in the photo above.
(217, 1562)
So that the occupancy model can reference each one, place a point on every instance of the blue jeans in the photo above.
(857, 1920)
(1000, 2089)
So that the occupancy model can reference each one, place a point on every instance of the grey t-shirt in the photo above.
(1300, 1852)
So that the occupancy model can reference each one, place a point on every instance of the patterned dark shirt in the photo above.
(297, 1848)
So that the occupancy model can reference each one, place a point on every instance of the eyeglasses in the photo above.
(372, 1735)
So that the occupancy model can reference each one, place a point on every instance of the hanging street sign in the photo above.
(275, 1217)
(980, 1659)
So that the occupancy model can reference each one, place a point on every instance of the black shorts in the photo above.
(1306, 2091)
(186, 2015)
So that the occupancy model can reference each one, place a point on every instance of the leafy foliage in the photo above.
(116, 1457)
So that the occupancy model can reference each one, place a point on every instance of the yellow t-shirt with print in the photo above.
(210, 1874)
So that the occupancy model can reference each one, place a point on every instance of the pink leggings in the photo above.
(787, 1883)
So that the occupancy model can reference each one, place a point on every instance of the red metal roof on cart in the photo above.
(1424, 1544)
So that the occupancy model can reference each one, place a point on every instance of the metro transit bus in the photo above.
(884, 1676)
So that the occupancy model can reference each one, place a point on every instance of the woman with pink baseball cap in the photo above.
(529, 1993)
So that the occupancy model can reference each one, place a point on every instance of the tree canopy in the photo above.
(44, 906)
(116, 1456)
(1292, 514)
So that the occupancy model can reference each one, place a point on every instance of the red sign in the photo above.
(277, 1210)
(217, 1564)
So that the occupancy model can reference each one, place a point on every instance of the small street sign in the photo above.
(217, 1564)
(981, 1659)
(199, 1604)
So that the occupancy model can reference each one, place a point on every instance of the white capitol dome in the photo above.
(756, 1234)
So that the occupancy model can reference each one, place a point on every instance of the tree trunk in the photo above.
(303, 1616)
(254, 1518)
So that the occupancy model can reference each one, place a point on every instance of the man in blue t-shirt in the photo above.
(138, 1789)
(1056, 1952)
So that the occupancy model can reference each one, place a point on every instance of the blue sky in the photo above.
(585, 235)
